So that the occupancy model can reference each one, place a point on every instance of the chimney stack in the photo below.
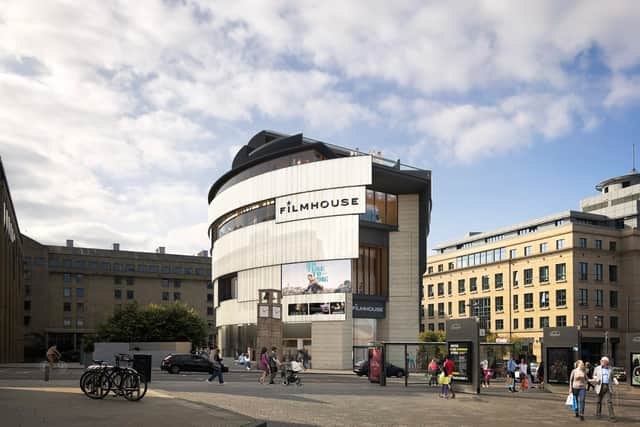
(160, 250)
(116, 247)
(69, 243)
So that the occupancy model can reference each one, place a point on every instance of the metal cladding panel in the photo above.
(232, 312)
(269, 244)
(326, 174)
(251, 281)
(568, 336)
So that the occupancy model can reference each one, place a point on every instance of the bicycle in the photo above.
(101, 378)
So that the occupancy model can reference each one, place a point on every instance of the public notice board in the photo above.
(460, 353)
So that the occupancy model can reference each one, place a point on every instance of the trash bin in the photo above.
(142, 364)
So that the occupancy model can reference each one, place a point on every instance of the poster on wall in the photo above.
(316, 277)
(316, 309)
(635, 369)
(460, 353)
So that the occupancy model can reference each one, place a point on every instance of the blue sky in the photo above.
(116, 117)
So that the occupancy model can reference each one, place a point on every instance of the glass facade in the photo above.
(370, 272)
(243, 217)
(382, 208)
(479, 258)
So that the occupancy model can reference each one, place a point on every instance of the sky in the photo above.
(116, 117)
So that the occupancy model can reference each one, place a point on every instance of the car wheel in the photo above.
(175, 369)
(400, 374)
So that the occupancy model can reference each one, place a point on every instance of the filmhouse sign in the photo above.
(8, 224)
(322, 203)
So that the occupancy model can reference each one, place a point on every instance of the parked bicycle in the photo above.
(101, 378)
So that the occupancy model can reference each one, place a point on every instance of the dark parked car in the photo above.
(176, 363)
(619, 373)
(362, 368)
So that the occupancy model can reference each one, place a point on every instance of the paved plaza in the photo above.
(187, 400)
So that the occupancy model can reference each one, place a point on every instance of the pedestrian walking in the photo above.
(540, 374)
(511, 374)
(486, 373)
(604, 383)
(589, 368)
(525, 378)
(432, 370)
(217, 367)
(449, 367)
(264, 365)
(578, 386)
(273, 364)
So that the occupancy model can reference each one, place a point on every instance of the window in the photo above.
(210, 284)
(462, 308)
(27, 305)
(431, 327)
(560, 244)
(515, 279)
(129, 267)
(527, 251)
(80, 323)
(499, 304)
(430, 270)
(499, 281)
(613, 273)
(513, 253)
(450, 266)
(544, 299)
(66, 306)
(544, 274)
(544, 247)
(584, 321)
(515, 302)
(117, 293)
(561, 272)
(598, 244)
(515, 323)
(209, 297)
(597, 272)
(440, 289)
(485, 283)
(561, 321)
(441, 326)
(80, 292)
(449, 290)
(561, 298)
(528, 276)
(381, 208)
(582, 271)
(129, 294)
(66, 277)
(582, 243)
(612, 246)
(130, 280)
(544, 322)
(440, 268)
(117, 267)
(66, 323)
(599, 298)
(441, 309)
(66, 292)
(528, 301)
(613, 322)
(461, 286)
(165, 283)
(583, 297)
(177, 283)
(80, 307)
(165, 269)
(165, 296)
(117, 280)
(27, 320)
(597, 321)
(473, 284)
(176, 296)
(105, 266)
(499, 324)
(528, 322)
(369, 274)
(450, 308)
(430, 311)
(613, 299)
(430, 291)
(209, 311)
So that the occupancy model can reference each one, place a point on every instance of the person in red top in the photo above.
(449, 367)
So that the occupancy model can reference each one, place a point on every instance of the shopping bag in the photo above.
(569, 401)
(575, 403)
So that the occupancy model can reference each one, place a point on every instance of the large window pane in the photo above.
(381, 211)
(392, 209)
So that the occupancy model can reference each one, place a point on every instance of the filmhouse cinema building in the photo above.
(342, 235)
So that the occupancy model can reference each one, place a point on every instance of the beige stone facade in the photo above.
(571, 269)
(70, 290)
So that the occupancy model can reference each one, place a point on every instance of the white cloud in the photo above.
(624, 91)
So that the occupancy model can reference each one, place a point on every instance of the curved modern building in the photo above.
(341, 235)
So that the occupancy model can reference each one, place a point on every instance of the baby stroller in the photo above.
(290, 371)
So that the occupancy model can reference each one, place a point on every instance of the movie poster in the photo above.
(316, 277)
(635, 369)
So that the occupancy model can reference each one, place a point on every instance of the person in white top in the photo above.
(604, 381)
(524, 372)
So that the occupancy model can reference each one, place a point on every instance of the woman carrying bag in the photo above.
(578, 387)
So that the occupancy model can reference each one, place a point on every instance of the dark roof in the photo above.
(3, 176)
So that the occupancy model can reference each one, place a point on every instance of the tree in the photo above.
(432, 336)
(175, 322)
